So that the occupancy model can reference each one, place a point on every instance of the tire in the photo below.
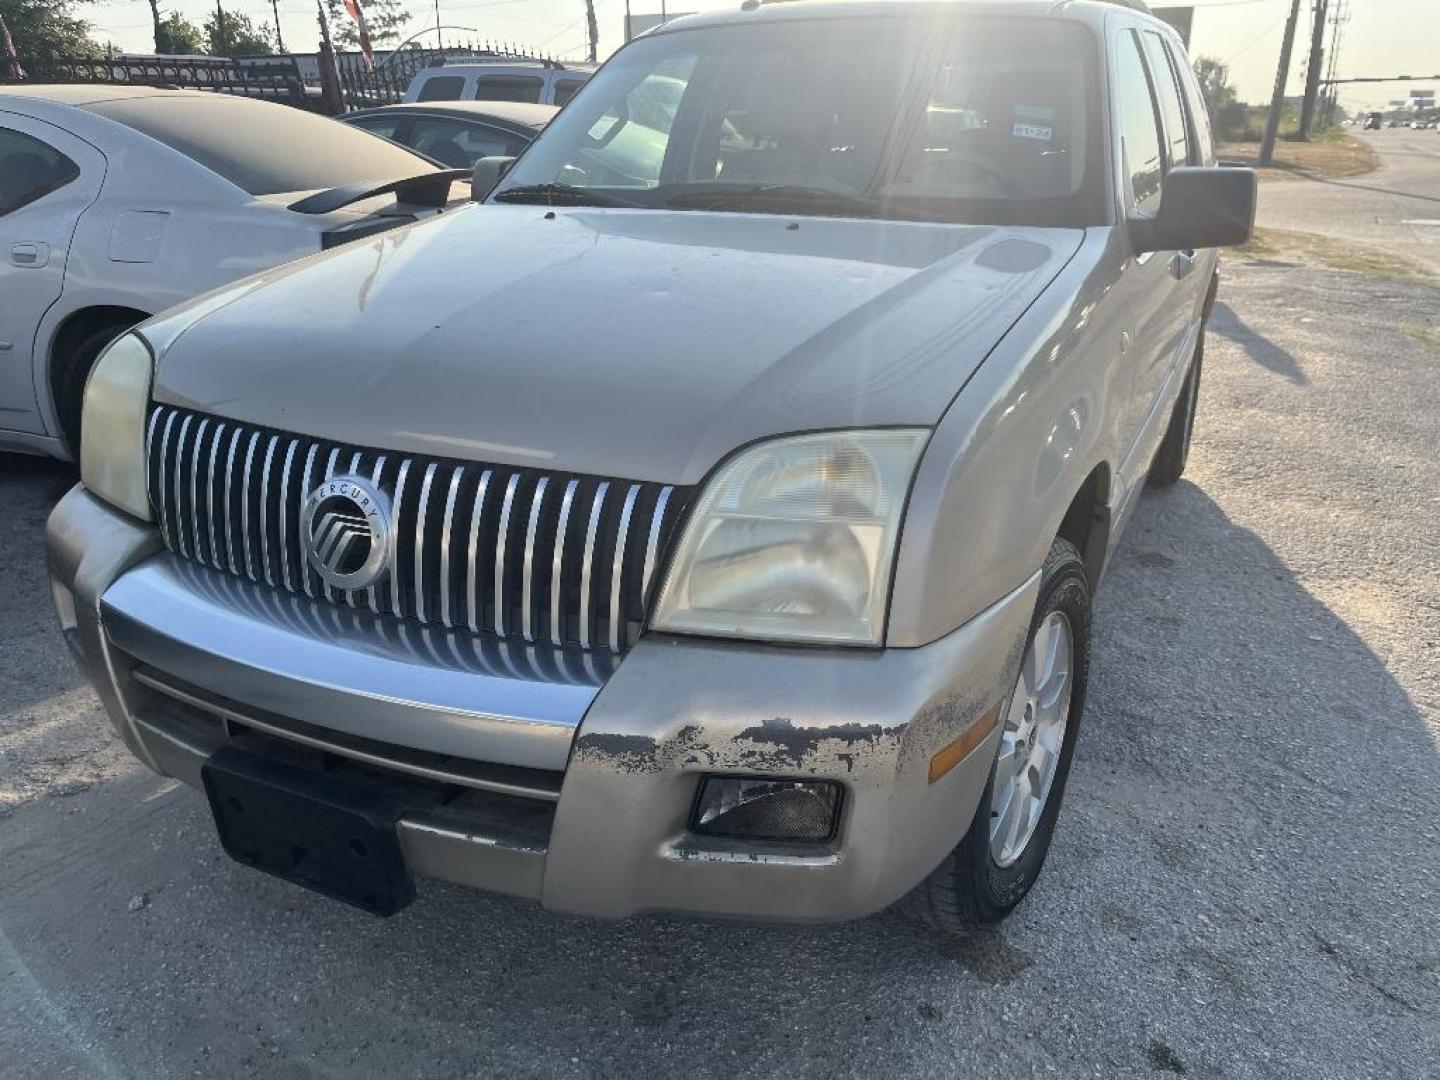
(971, 888)
(68, 384)
(1174, 452)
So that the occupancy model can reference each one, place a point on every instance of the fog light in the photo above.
(755, 809)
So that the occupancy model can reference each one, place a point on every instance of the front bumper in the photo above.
(559, 777)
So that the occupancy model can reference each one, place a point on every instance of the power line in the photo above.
(1257, 39)
(560, 33)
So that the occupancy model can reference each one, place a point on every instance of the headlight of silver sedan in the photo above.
(793, 540)
(112, 426)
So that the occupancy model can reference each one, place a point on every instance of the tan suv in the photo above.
(718, 539)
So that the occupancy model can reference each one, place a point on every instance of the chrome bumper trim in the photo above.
(350, 671)
(448, 771)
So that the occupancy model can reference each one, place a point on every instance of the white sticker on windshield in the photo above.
(1033, 131)
(1034, 122)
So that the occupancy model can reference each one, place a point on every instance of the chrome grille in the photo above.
(516, 553)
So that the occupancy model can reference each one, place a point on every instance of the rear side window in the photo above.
(458, 145)
(565, 89)
(384, 126)
(1138, 124)
(1202, 152)
(441, 88)
(30, 170)
(509, 88)
(1177, 133)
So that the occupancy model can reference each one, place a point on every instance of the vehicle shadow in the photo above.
(1226, 323)
(1247, 838)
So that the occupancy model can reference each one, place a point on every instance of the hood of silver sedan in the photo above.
(640, 344)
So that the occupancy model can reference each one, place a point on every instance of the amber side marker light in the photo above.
(954, 753)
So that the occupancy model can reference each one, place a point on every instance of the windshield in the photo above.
(261, 147)
(970, 119)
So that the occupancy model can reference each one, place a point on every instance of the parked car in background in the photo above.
(457, 134)
(717, 538)
(116, 203)
(542, 82)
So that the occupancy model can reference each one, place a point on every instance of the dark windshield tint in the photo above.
(441, 88)
(957, 118)
(509, 88)
(262, 148)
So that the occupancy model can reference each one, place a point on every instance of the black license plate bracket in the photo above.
(330, 833)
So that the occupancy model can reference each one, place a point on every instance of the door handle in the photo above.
(1181, 263)
(30, 255)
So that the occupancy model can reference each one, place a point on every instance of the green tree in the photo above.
(178, 36)
(232, 34)
(385, 19)
(45, 29)
(1214, 80)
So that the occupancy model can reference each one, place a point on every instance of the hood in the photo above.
(637, 344)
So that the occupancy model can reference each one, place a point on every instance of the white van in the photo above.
(541, 81)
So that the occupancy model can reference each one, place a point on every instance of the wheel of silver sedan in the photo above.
(1032, 739)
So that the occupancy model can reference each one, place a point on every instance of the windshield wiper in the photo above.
(779, 197)
(559, 195)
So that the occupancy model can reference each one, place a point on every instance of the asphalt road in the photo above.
(1397, 206)
(1245, 880)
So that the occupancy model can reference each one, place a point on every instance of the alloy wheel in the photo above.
(1032, 739)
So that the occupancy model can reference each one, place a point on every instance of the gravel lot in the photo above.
(1245, 881)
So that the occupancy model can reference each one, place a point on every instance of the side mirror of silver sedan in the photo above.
(488, 171)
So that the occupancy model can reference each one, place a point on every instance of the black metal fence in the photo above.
(385, 85)
(274, 79)
(291, 80)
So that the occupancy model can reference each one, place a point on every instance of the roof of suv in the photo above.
(777, 10)
(500, 65)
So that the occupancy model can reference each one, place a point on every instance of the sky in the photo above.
(1381, 37)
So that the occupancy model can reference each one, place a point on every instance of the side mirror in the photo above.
(1200, 207)
(487, 173)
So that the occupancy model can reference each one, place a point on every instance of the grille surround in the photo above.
(571, 557)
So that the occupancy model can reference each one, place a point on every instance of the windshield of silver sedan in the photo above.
(970, 119)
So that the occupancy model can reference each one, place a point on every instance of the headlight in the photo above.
(112, 426)
(793, 540)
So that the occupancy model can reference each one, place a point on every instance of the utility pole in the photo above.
(439, 41)
(593, 35)
(330, 92)
(279, 41)
(1339, 18)
(155, 15)
(1277, 99)
(1312, 70)
(219, 43)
